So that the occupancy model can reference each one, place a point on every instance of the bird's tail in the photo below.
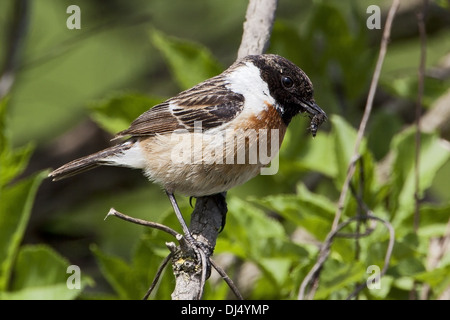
(104, 157)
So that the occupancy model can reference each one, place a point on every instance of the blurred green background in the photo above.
(121, 62)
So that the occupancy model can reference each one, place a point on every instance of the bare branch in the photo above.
(158, 275)
(325, 249)
(368, 108)
(420, 89)
(323, 255)
(387, 257)
(114, 212)
(257, 27)
(227, 279)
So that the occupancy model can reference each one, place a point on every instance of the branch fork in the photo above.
(191, 262)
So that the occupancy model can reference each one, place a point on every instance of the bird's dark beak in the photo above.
(315, 113)
(313, 109)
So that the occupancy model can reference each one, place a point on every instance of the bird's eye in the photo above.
(287, 82)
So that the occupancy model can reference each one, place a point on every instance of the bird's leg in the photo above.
(186, 231)
(196, 245)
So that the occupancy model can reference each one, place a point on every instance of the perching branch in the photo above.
(257, 27)
(206, 222)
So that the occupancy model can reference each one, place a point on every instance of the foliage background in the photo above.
(74, 88)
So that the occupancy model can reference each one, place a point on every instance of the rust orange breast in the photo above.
(266, 119)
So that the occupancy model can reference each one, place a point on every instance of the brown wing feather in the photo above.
(209, 102)
(157, 120)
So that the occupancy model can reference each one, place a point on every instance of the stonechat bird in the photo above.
(210, 138)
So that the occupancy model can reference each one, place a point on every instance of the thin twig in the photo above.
(370, 215)
(328, 241)
(178, 236)
(158, 275)
(420, 89)
(227, 279)
(323, 255)
(368, 108)
(325, 249)
(356, 235)
(114, 212)
(360, 194)
(203, 274)
(387, 257)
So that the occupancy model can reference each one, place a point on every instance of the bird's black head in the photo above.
(288, 85)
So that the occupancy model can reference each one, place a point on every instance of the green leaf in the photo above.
(336, 276)
(306, 209)
(431, 157)
(283, 35)
(3, 143)
(406, 247)
(344, 145)
(317, 157)
(15, 206)
(384, 289)
(433, 220)
(250, 228)
(116, 113)
(216, 291)
(278, 268)
(365, 184)
(437, 278)
(230, 246)
(442, 3)
(41, 273)
(384, 125)
(409, 267)
(57, 291)
(189, 62)
(404, 283)
(119, 274)
(13, 162)
(132, 280)
(148, 256)
(406, 87)
(329, 27)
